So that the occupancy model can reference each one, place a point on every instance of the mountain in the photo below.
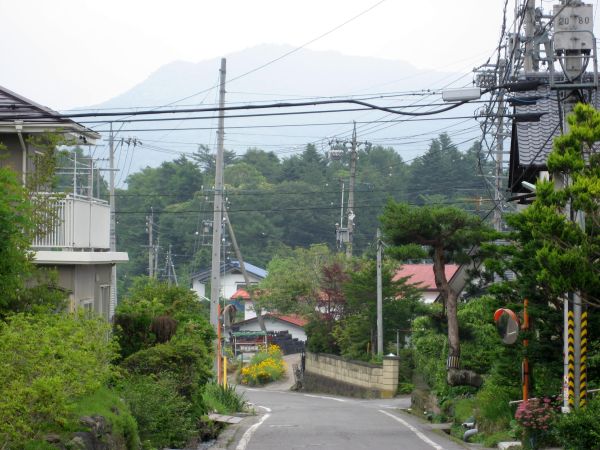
(301, 74)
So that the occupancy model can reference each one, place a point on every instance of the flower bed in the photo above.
(267, 365)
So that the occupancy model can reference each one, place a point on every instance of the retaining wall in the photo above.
(333, 374)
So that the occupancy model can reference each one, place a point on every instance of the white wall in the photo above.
(229, 284)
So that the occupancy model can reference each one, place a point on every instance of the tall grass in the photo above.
(223, 400)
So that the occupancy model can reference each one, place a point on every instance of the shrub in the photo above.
(148, 303)
(223, 400)
(48, 362)
(265, 366)
(164, 417)
(580, 429)
(493, 413)
(185, 358)
(535, 418)
(106, 403)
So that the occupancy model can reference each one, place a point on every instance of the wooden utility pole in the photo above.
(215, 281)
(238, 255)
(351, 215)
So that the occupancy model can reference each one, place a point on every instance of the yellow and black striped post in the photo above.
(571, 359)
(583, 360)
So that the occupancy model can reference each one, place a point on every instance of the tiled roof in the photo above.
(531, 142)
(240, 293)
(292, 319)
(422, 276)
(230, 266)
(16, 108)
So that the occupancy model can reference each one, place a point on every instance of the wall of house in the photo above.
(88, 286)
(14, 156)
(229, 284)
(429, 296)
(333, 374)
(276, 325)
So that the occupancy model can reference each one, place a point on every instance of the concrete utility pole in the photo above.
(573, 44)
(351, 215)
(498, 196)
(150, 225)
(379, 295)
(529, 25)
(215, 280)
(113, 238)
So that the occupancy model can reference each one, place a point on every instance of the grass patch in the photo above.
(106, 403)
(223, 400)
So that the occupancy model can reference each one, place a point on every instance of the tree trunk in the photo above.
(450, 298)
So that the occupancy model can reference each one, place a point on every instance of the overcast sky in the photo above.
(67, 53)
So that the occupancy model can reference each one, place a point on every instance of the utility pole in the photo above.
(238, 255)
(150, 225)
(215, 281)
(351, 214)
(529, 25)
(113, 240)
(497, 217)
(379, 295)
(171, 275)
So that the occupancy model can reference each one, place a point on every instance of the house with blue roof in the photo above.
(232, 279)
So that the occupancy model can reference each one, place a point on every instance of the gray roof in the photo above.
(232, 266)
(531, 142)
(16, 109)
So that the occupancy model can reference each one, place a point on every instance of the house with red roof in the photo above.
(422, 277)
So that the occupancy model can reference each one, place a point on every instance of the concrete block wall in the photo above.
(367, 378)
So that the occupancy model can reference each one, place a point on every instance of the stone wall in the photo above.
(333, 374)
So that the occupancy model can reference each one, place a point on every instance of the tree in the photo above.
(356, 333)
(449, 234)
(23, 286)
(569, 254)
(293, 284)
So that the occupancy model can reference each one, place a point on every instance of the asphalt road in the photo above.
(292, 420)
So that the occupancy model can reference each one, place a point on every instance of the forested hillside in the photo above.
(276, 203)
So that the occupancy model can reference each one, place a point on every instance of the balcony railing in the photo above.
(71, 222)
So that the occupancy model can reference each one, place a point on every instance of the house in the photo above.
(276, 323)
(421, 276)
(537, 121)
(232, 278)
(78, 245)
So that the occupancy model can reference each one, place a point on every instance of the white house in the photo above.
(78, 246)
(232, 278)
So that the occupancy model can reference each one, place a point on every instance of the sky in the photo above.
(72, 53)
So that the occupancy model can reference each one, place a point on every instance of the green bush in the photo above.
(48, 362)
(223, 400)
(493, 413)
(149, 299)
(106, 403)
(430, 352)
(164, 417)
(580, 429)
(185, 358)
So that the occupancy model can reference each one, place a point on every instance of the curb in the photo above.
(231, 435)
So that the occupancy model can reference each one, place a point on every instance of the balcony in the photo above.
(73, 223)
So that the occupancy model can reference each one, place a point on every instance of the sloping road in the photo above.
(292, 420)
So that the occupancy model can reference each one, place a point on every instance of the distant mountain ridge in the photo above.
(304, 73)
